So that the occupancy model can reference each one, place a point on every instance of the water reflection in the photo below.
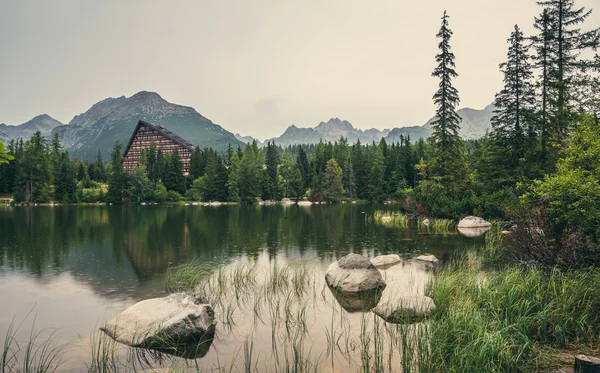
(78, 266)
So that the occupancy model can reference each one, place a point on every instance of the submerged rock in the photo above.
(357, 302)
(386, 261)
(405, 310)
(354, 273)
(473, 222)
(473, 232)
(427, 258)
(174, 324)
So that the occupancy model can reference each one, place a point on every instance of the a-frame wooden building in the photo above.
(145, 134)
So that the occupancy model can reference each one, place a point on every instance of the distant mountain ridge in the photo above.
(474, 125)
(43, 123)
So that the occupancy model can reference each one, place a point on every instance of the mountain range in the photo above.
(115, 118)
(474, 125)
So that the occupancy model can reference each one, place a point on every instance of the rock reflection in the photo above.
(357, 302)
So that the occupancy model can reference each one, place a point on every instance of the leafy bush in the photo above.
(536, 238)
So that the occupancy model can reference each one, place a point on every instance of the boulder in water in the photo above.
(386, 261)
(473, 222)
(405, 310)
(166, 324)
(427, 258)
(353, 274)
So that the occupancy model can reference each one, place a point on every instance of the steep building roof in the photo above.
(162, 131)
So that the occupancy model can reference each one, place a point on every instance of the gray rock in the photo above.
(473, 222)
(587, 364)
(427, 258)
(354, 273)
(162, 323)
(386, 261)
(405, 310)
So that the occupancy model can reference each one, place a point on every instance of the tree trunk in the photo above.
(587, 364)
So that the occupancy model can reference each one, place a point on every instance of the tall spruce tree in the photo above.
(513, 121)
(448, 164)
(271, 174)
(565, 44)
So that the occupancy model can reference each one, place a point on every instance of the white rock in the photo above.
(426, 222)
(178, 317)
(143, 203)
(354, 273)
(386, 260)
(473, 222)
(427, 258)
(505, 232)
(287, 201)
(386, 219)
(304, 203)
(216, 203)
(405, 309)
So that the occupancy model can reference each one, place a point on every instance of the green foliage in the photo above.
(4, 157)
(333, 190)
(117, 181)
(494, 322)
(34, 171)
(572, 195)
(65, 183)
(173, 177)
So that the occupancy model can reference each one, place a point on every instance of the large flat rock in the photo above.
(163, 322)
(474, 222)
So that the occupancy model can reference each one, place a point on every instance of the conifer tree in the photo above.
(271, 174)
(333, 189)
(232, 180)
(566, 42)
(303, 166)
(117, 181)
(65, 185)
(448, 164)
(173, 176)
(33, 173)
(513, 118)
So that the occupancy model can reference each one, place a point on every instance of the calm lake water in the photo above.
(69, 269)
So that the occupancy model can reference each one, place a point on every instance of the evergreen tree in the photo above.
(303, 166)
(296, 184)
(173, 177)
(33, 175)
(65, 184)
(233, 189)
(141, 188)
(81, 171)
(250, 174)
(561, 19)
(333, 189)
(448, 164)
(197, 164)
(117, 181)
(376, 175)
(513, 120)
(97, 170)
(56, 150)
(271, 174)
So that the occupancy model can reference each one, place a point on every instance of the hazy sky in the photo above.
(253, 66)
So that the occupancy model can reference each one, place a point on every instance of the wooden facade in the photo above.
(147, 133)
